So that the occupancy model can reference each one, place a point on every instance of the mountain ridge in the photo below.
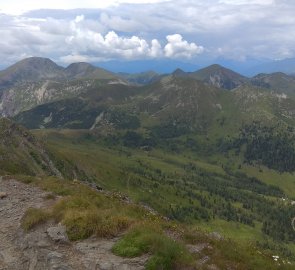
(36, 81)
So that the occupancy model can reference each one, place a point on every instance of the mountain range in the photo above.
(214, 102)
(208, 154)
(35, 81)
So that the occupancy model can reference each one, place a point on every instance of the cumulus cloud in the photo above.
(177, 47)
(113, 46)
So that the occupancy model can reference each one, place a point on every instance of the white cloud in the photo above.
(82, 39)
(235, 29)
(113, 46)
(177, 47)
(79, 18)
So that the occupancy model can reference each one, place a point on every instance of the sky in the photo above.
(192, 31)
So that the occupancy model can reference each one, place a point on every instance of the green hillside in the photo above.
(221, 194)
(278, 82)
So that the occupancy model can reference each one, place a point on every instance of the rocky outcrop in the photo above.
(58, 234)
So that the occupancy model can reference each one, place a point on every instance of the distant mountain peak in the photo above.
(87, 71)
(30, 69)
(219, 76)
(178, 71)
(80, 65)
(216, 66)
(78, 68)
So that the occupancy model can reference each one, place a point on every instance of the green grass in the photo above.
(233, 230)
(83, 211)
(286, 181)
(146, 238)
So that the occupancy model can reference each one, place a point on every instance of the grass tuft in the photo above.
(34, 217)
(89, 215)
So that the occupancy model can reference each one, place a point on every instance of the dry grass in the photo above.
(82, 210)
(34, 217)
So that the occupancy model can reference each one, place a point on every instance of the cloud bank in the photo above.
(152, 29)
(82, 39)
(90, 45)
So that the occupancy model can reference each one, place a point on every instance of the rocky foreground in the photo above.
(47, 247)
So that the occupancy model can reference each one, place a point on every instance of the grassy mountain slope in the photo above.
(278, 82)
(171, 100)
(173, 103)
(78, 112)
(219, 76)
(22, 153)
(86, 71)
(218, 194)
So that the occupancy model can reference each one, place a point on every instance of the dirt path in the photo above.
(38, 249)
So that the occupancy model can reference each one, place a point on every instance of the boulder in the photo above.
(58, 234)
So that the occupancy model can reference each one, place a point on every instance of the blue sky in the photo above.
(192, 31)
